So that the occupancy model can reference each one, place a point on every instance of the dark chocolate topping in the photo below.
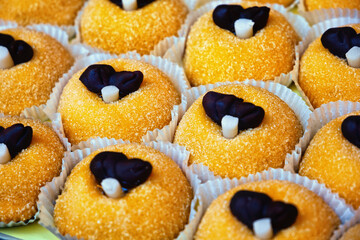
(97, 76)
(16, 138)
(217, 105)
(140, 3)
(249, 206)
(340, 40)
(225, 16)
(19, 50)
(129, 172)
(350, 128)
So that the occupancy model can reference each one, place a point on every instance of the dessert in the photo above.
(53, 12)
(155, 203)
(267, 130)
(294, 212)
(34, 158)
(106, 25)
(38, 62)
(215, 53)
(323, 4)
(352, 234)
(326, 74)
(332, 157)
(146, 97)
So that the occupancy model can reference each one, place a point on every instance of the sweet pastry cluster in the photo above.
(231, 126)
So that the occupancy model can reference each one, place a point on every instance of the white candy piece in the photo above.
(353, 57)
(4, 154)
(229, 125)
(129, 5)
(262, 228)
(112, 188)
(110, 94)
(5, 58)
(244, 28)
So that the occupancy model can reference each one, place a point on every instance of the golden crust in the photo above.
(157, 209)
(331, 159)
(326, 78)
(252, 150)
(22, 177)
(316, 220)
(86, 115)
(105, 25)
(320, 4)
(53, 12)
(216, 55)
(286, 3)
(31, 83)
(352, 234)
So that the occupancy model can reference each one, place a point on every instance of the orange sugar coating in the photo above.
(333, 160)
(215, 55)
(107, 26)
(252, 150)
(86, 115)
(320, 4)
(282, 2)
(156, 209)
(315, 220)
(326, 78)
(31, 83)
(22, 177)
(27, 12)
(352, 234)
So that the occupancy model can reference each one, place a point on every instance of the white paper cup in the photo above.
(50, 192)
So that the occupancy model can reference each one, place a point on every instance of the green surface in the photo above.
(32, 231)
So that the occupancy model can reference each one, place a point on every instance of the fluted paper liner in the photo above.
(346, 226)
(37, 113)
(167, 133)
(316, 31)
(209, 191)
(158, 48)
(174, 72)
(50, 192)
(320, 15)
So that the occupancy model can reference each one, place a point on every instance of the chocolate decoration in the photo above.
(6, 40)
(225, 16)
(97, 76)
(129, 172)
(140, 3)
(340, 40)
(217, 105)
(16, 138)
(249, 206)
(350, 128)
(19, 50)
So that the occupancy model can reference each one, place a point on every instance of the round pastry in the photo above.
(215, 53)
(321, 4)
(352, 234)
(145, 102)
(325, 75)
(285, 3)
(156, 207)
(39, 61)
(106, 25)
(53, 12)
(333, 155)
(265, 133)
(294, 212)
(34, 154)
